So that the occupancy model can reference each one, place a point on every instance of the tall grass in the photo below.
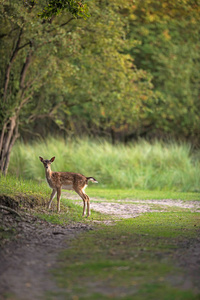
(143, 165)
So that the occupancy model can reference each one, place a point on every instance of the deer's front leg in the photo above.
(58, 199)
(51, 198)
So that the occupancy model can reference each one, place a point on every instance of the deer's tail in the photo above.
(92, 179)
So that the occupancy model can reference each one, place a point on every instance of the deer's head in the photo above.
(46, 162)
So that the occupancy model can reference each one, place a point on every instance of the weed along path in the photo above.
(27, 263)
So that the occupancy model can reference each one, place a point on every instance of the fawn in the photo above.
(67, 181)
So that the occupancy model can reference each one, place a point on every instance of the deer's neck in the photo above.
(48, 173)
(48, 177)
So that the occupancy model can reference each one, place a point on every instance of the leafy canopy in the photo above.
(77, 8)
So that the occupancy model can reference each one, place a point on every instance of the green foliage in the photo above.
(67, 70)
(70, 213)
(129, 69)
(76, 8)
(168, 48)
(143, 165)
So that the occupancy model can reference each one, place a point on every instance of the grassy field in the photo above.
(131, 259)
(116, 194)
(142, 166)
(135, 259)
(140, 258)
(11, 185)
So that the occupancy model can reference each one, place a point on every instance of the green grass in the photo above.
(70, 213)
(117, 194)
(131, 260)
(11, 185)
(15, 187)
(142, 166)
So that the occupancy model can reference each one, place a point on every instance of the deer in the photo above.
(68, 181)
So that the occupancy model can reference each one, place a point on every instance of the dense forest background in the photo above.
(124, 70)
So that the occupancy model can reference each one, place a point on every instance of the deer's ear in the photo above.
(52, 159)
(41, 159)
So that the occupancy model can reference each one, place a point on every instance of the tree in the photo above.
(69, 72)
(108, 88)
(168, 48)
(28, 47)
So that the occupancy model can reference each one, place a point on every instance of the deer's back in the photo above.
(68, 179)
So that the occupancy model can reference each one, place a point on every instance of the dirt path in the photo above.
(133, 208)
(25, 263)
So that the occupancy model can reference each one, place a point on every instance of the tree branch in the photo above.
(2, 135)
(13, 140)
(32, 118)
(26, 44)
(47, 115)
(13, 56)
(64, 24)
(25, 69)
(11, 124)
(7, 34)
(23, 102)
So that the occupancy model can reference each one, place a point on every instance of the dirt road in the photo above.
(133, 208)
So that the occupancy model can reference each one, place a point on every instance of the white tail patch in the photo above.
(83, 190)
(93, 179)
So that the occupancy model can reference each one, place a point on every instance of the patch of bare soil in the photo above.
(133, 208)
(26, 261)
(188, 258)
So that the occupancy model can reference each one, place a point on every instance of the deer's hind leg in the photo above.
(85, 198)
(88, 205)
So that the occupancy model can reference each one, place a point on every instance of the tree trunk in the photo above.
(9, 134)
(12, 59)
(112, 133)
